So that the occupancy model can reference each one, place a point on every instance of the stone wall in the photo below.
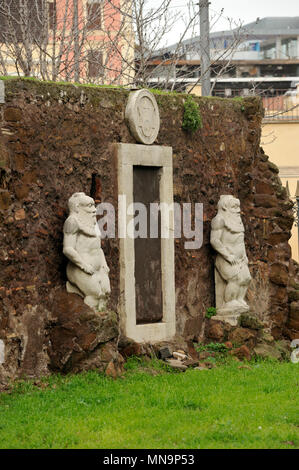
(56, 140)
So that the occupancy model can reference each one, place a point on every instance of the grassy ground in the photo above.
(232, 407)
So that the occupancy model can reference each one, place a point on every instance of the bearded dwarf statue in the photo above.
(87, 270)
(232, 276)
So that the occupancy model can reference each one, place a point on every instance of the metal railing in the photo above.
(279, 104)
(282, 105)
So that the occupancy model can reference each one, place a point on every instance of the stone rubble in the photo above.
(179, 355)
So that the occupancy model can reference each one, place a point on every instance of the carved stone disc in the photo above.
(142, 116)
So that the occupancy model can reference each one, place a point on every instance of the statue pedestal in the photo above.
(230, 316)
(231, 319)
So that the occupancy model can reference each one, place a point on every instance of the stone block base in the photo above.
(231, 319)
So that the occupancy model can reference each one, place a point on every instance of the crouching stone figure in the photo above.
(232, 276)
(87, 270)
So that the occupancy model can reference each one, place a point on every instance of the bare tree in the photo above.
(107, 41)
(151, 24)
(71, 40)
(157, 65)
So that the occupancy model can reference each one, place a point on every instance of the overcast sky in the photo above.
(245, 11)
(250, 10)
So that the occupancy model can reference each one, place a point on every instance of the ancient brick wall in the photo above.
(57, 139)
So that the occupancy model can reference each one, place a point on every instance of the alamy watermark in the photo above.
(155, 220)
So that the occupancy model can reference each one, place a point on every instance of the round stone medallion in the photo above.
(142, 116)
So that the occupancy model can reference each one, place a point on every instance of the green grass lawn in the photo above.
(151, 408)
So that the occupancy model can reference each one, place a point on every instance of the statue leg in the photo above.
(231, 293)
(72, 289)
(98, 290)
(244, 281)
(95, 297)
(105, 290)
(220, 286)
(241, 297)
(95, 288)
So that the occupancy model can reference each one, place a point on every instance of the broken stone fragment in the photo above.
(20, 214)
(250, 321)
(164, 353)
(12, 114)
(176, 364)
(241, 353)
(279, 274)
(267, 351)
(180, 356)
(295, 356)
(190, 363)
(266, 337)
(216, 331)
(133, 349)
(115, 367)
(111, 370)
(240, 336)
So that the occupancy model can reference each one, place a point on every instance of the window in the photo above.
(95, 64)
(21, 20)
(94, 15)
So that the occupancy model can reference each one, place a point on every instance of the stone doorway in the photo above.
(147, 300)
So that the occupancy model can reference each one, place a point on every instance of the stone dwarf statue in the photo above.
(232, 276)
(87, 270)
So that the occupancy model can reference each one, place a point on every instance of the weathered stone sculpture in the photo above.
(142, 116)
(87, 270)
(232, 276)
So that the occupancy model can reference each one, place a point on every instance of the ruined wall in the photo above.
(56, 139)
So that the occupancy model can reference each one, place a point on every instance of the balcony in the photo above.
(279, 104)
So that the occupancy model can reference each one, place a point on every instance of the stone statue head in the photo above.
(229, 203)
(82, 205)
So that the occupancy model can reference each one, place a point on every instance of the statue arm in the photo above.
(70, 230)
(216, 233)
